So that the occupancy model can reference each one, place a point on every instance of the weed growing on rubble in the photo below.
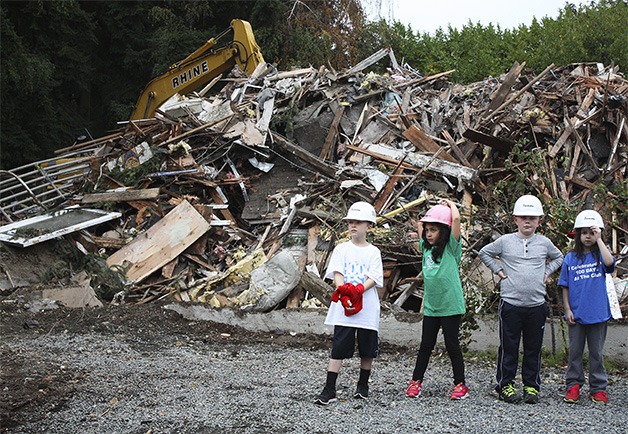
(59, 271)
(132, 176)
(106, 281)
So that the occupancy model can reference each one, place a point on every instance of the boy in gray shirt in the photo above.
(523, 260)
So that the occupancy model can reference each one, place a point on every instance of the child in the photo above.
(587, 309)
(443, 301)
(356, 269)
(526, 259)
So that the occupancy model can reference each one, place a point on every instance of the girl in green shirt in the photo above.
(443, 301)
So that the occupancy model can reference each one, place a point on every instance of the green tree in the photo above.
(45, 77)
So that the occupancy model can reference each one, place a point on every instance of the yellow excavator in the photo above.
(200, 67)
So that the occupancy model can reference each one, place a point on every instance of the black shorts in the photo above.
(343, 345)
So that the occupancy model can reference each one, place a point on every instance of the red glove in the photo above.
(346, 303)
(355, 293)
(350, 296)
(346, 288)
(343, 290)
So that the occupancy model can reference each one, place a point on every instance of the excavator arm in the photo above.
(200, 67)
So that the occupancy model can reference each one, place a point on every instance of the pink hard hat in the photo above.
(438, 214)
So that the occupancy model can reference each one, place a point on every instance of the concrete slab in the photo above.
(398, 329)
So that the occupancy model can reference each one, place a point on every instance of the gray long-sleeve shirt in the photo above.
(525, 261)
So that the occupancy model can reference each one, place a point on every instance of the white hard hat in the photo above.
(528, 205)
(362, 211)
(588, 218)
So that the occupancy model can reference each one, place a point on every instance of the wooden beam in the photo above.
(515, 97)
(324, 167)
(161, 243)
(502, 146)
(504, 89)
(332, 135)
(454, 147)
(121, 196)
(389, 187)
(424, 143)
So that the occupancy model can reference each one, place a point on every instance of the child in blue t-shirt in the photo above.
(586, 305)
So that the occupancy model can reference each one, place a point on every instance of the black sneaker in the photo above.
(530, 395)
(327, 396)
(509, 394)
(362, 391)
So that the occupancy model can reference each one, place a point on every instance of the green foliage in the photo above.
(105, 281)
(133, 176)
(589, 33)
(57, 272)
(42, 63)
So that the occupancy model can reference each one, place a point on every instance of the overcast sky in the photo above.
(427, 16)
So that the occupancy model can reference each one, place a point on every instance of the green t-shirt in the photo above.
(443, 290)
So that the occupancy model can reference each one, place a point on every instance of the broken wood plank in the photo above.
(467, 213)
(515, 97)
(108, 242)
(121, 196)
(372, 59)
(424, 143)
(180, 137)
(324, 167)
(560, 142)
(161, 243)
(425, 79)
(583, 146)
(294, 298)
(502, 146)
(423, 161)
(504, 89)
(454, 147)
(217, 196)
(168, 269)
(615, 143)
(332, 136)
(389, 187)
(200, 262)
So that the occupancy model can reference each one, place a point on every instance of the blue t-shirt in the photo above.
(586, 280)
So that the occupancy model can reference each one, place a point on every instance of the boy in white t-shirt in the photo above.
(356, 269)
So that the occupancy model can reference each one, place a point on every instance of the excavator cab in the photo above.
(200, 67)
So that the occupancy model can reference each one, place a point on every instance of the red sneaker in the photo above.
(461, 391)
(573, 394)
(599, 397)
(414, 389)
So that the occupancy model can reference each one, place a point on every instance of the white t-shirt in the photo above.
(357, 264)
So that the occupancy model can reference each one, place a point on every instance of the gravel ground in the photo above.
(142, 369)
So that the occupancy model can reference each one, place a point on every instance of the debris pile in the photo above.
(236, 198)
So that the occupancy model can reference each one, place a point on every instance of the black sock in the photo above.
(364, 376)
(331, 380)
